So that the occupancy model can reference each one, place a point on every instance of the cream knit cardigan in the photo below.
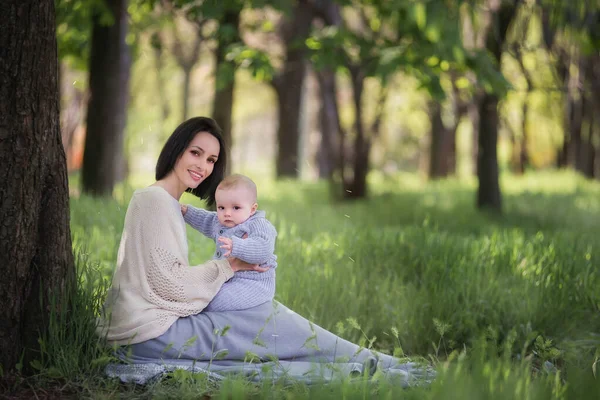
(153, 284)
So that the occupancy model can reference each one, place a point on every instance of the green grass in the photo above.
(488, 299)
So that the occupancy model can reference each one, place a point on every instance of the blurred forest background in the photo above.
(429, 109)
(323, 89)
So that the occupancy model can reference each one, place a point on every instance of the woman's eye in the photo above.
(195, 152)
(210, 160)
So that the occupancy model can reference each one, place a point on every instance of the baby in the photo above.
(240, 231)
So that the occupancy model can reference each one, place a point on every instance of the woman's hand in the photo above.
(239, 265)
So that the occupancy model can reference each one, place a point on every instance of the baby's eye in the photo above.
(220, 208)
(237, 207)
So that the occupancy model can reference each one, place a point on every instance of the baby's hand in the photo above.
(226, 244)
(183, 209)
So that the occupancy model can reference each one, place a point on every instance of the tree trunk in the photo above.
(515, 151)
(357, 187)
(187, 75)
(588, 151)
(523, 153)
(574, 144)
(488, 194)
(474, 117)
(441, 151)
(225, 78)
(35, 240)
(523, 159)
(329, 151)
(157, 46)
(288, 86)
(110, 64)
(186, 59)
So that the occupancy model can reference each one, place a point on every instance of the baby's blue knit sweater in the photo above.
(247, 288)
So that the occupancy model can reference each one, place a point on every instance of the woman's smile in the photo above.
(196, 175)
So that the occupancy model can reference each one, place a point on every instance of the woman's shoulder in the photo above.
(153, 195)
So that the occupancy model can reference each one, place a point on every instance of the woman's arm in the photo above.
(168, 271)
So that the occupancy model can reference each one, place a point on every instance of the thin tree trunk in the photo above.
(515, 151)
(187, 76)
(574, 143)
(589, 151)
(225, 76)
(523, 153)
(35, 241)
(459, 108)
(186, 60)
(590, 167)
(110, 64)
(328, 155)
(357, 187)
(158, 46)
(564, 77)
(523, 160)
(474, 118)
(288, 86)
(488, 194)
(441, 146)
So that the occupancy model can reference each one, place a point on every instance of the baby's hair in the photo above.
(238, 180)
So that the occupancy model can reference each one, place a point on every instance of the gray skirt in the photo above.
(248, 340)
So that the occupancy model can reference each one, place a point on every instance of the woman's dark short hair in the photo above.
(179, 141)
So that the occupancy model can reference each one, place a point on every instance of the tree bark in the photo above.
(187, 61)
(475, 118)
(523, 159)
(225, 78)
(488, 192)
(357, 187)
(158, 46)
(329, 151)
(35, 241)
(187, 77)
(288, 86)
(442, 146)
(110, 64)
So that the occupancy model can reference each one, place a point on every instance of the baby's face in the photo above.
(234, 205)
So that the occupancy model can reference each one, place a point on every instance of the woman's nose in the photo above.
(201, 164)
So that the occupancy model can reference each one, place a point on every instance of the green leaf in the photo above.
(251, 357)
(419, 14)
(433, 34)
(220, 355)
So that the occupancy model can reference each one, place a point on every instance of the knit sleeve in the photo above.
(201, 220)
(259, 245)
(172, 283)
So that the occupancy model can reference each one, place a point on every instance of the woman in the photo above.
(156, 300)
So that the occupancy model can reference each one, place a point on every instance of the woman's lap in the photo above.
(269, 331)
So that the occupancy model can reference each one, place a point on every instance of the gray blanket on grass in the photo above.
(269, 341)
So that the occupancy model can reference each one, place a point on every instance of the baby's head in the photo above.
(236, 200)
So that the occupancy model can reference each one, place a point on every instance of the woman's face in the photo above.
(198, 160)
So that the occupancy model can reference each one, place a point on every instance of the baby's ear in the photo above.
(254, 208)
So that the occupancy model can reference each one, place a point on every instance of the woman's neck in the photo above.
(172, 185)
